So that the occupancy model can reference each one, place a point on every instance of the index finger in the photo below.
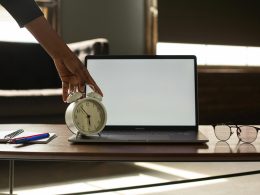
(84, 74)
(65, 89)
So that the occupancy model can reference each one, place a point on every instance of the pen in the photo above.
(26, 139)
(13, 134)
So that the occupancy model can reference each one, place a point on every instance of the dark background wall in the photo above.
(122, 22)
(222, 22)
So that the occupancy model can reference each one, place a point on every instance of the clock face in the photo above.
(89, 116)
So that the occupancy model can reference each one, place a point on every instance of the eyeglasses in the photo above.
(245, 133)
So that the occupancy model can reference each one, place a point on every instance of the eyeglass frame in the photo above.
(237, 127)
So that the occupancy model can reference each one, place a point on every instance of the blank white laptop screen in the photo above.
(147, 92)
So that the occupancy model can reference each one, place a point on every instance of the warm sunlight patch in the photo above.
(213, 54)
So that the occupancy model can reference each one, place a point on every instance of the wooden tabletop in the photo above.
(61, 149)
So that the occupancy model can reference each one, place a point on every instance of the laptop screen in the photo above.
(147, 91)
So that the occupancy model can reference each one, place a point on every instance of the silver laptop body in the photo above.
(148, 99)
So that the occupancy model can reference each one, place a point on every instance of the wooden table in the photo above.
(62, 150)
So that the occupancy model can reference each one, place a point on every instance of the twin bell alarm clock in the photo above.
(85, 115)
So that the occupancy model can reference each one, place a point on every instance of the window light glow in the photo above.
(57, 189)
(10, 31)
(140, 179)
(168, 189)
(213, 54)
(170, 170)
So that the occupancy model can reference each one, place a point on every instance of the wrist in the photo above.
(62, 52)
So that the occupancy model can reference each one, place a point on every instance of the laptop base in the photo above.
(115, 136)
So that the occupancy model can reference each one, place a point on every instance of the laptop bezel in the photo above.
(154, 127)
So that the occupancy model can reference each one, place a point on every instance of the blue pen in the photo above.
(23, 140)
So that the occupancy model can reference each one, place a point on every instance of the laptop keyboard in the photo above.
(147, 135)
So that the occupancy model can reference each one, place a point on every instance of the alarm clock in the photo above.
(86, 115)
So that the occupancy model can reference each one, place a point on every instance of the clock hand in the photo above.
(89, 120)
(85, 112)
(87, 116)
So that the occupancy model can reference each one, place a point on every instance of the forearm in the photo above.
(72, 72)
(48, 38)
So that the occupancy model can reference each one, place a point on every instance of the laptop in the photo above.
(149, 99)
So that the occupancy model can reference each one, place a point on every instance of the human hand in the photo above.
(74, 75)
(72, 72)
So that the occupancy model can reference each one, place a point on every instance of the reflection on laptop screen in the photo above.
(147, 92)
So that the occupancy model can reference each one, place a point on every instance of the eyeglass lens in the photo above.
(223, 132)
(247, 134)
